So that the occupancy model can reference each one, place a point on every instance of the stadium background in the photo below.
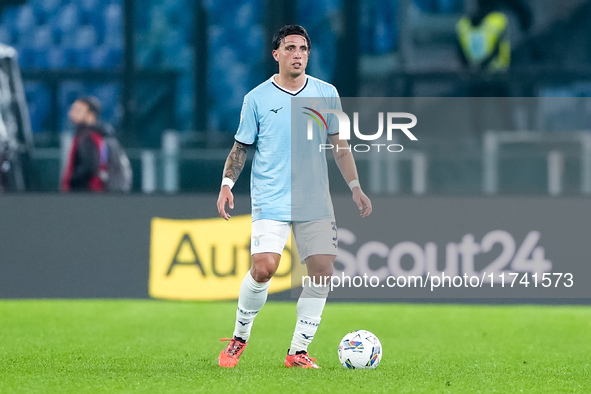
(179, 69)
(79, 272)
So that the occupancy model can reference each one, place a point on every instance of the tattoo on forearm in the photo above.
(235, 161)
(341, 155)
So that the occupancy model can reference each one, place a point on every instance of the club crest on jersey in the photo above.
(256, 239)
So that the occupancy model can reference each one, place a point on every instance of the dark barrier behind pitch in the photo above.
(90, 246)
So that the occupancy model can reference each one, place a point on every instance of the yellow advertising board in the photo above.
(206, 259)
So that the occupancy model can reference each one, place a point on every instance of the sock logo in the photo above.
(243, 323)
(308, 336)
(309, 323)
(247, 312)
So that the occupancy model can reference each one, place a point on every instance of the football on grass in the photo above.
(360, 349)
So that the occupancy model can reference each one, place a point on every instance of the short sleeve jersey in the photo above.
(266, 121)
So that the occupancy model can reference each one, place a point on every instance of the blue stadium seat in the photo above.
(176, 53)
(244, 15)
(440, 6)
(9, 16)
(83, 58)
(62, 57)
(42, 37)
(25, 19)
(6, 35)
(113, 17)
(184, 107)
(251, 46)
(175, 7)
(215, 36)
(26, 57)
(49, 7)
(68, 92)
(145, 56)
(38, 98)
(86, 37)
(384, 37)
(178, 57)
(219, 10)
(428, 6)
(313, 12)
(56, 58)
(41, 60)
(450, 6)
(108, 94)
(378, 30)
(105, 57)
(90, 6)
(68, 19)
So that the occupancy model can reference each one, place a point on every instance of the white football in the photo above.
(360, 349)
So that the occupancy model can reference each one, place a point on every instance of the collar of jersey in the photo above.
(293, 93)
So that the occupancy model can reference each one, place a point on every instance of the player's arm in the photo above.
(346, 164)
(232, 169)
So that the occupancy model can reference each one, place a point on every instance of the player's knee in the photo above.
(320, 267)
(322, 276)
(263, 268)
(262, 274)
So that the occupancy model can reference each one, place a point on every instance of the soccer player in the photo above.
(266, 121)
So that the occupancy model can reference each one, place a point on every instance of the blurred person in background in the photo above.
(483, 33)
(86, 169)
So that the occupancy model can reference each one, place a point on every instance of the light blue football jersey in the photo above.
(266, 120)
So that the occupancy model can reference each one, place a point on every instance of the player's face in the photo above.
(292, 55)
(80, 113)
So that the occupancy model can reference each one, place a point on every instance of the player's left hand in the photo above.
(363, 202)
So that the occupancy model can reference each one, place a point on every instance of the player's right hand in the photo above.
(225, 196)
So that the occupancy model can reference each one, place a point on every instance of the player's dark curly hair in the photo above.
(288, 30)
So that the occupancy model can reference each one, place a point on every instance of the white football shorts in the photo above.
(312, 238)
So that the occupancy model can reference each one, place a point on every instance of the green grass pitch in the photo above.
(156, 346)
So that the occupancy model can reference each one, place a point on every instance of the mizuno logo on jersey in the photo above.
(276, 110)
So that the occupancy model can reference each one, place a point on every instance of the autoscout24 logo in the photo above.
(345, 130)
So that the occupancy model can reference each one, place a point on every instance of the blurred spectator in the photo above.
(483, 33)
(86, 169)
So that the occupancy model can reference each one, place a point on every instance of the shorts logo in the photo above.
(256, 239)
